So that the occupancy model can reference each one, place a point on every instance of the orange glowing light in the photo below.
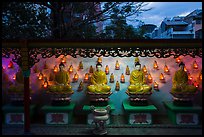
(55, 68)
(149, 77)
(144, 69)
(117, 65)
(196, 84)
(99, 60)
(161, 77)
(63, 59)
(107, 69)
(86, 78)
(155, 65)
(122, 78)
(185, 69)
(45, 85)
(14, 77)
(156, 85)
(190, 77)
(195, 65)
(166, 69)
(70, 69)
(200, 75)
(40, 77)
(10, 65)
(76, 77)
(117, 86)
(178, 60)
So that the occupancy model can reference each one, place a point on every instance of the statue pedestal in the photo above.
(58, 114)
(183, 115)
(139, 114)
(87, 110)
(15, 114)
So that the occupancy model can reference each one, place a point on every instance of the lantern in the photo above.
(86, 78)
(91, 69)
(76, 77)
(14, 77)
(107, 70)
(161, 77)
(195, 65)
(117, 86)
(63, 59)
(200, 76)
(70, 69)
(178, 60)
(117, 65)
(190, 77)
(156, 86)
(196, 84)
(81, 86)
(55, 69)
(40, 77)
(45, 84)
(10, 65)
(149, 77)
(185, 69)
(81, 65)
(111, 78)
(144, 69)
(122, 78)
(99, 60)
(127, 71)
(155, 66)
(166, 69)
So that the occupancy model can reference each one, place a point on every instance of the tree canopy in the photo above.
(66, 20)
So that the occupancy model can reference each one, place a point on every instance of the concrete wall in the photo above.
(117, 97)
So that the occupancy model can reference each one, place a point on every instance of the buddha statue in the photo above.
(138, 81)
(99, 81)
(62, 81)
(180, 81)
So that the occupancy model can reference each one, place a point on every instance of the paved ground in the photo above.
(39, 129)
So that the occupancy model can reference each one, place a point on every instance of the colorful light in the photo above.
(117, 65)
(166, 69)
(111, 78)
(200, 76)
(190, 77)
(40, 77)
(55, 68)
(70, 69)
(99, 60)
(178, 60)
(10, 65)
(14, 77)
(122, 78)
(149, 77)
(185, 69)
(63, 59)
(86, 77)
(196, 84)
(144, 69)
(76, 77)
(117, 86)
(161, 77)
(155, 66)
(107, 70)
(45, 85)
(195, 65)
(156, 85)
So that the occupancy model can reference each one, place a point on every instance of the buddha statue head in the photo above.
(61, 66)
(98, 66)
(137, 66)
(182, 65)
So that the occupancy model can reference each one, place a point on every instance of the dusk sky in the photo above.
(166, 9)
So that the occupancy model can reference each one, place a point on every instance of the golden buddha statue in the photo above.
(99, 81)
(138, 81)
(62, 81)
(180, 81)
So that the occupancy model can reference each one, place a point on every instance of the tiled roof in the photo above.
(175, 23)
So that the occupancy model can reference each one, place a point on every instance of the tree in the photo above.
(24, 20)
(65, 19)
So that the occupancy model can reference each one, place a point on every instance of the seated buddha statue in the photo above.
(180, 81)
(18, 86)
(62, 81)
(137, 81)
(99, 81)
